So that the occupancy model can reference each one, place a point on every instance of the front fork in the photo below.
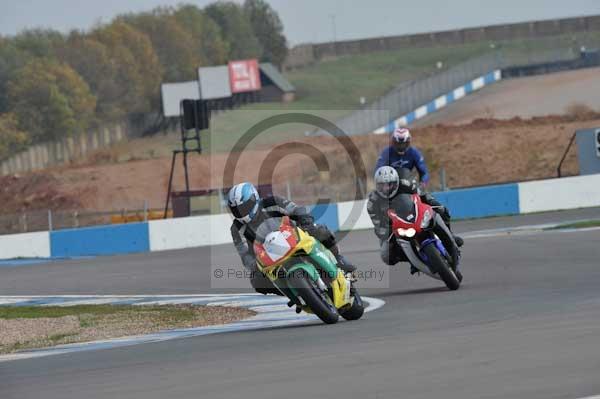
(440, 236)
(439, 246)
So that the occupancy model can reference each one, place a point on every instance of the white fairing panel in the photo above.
(276, 245)
(415, 260)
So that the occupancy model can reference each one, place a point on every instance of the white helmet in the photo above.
(243, 201)
(401, 139)
(387, 181)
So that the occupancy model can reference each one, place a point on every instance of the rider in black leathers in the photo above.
(390, 183)
(249, 216)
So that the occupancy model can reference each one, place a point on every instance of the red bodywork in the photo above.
(416, 220)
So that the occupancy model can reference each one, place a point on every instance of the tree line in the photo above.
(54, 85)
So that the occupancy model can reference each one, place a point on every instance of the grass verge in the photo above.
(30, 327)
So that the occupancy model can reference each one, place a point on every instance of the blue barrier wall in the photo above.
(482, 201)
(104, 240)
(131, 238)
(326, 214)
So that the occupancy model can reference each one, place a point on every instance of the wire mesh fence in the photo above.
(410, 95)
(306, 194)
(29, 221)
(313, 193)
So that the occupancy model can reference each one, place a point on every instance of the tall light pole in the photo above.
(332, 16)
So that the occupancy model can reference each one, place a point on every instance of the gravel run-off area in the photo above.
(28, 333)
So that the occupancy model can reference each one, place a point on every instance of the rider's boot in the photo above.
(446, 217)
(459, 241)
(341, 260)
(262, 284)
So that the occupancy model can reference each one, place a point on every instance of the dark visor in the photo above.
(244, 209)
(387, 188)
(401, 146)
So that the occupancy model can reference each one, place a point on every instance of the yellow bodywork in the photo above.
(341, 291)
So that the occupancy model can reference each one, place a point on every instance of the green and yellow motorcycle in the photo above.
(305, 271)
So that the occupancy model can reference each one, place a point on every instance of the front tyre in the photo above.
(315, 299)
(440, 265)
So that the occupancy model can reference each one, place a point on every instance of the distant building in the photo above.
(229, 86)
(275, 87)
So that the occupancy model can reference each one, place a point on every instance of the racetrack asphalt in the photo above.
(525, 324)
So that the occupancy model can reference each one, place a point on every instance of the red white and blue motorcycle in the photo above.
(425, 239)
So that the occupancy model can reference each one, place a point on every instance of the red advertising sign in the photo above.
(244, 76)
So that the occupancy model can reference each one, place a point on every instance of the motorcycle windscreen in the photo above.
(267, 226)
(404, 206)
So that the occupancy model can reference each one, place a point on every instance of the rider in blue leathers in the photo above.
(400, 154)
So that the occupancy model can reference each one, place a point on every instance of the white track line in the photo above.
(526, 230)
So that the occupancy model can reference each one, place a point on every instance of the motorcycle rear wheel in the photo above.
(355, 311)
(315, 299)
(440, 265)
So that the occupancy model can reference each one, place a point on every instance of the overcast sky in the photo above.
(310, 20)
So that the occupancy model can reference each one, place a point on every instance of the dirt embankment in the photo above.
(482, 152)
(490, 151)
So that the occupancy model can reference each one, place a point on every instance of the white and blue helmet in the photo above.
(243, 201)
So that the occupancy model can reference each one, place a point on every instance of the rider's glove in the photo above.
(382, 232)
(305, 221)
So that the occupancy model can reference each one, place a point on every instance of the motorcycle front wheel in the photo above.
(315, 299)
(440, 265)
